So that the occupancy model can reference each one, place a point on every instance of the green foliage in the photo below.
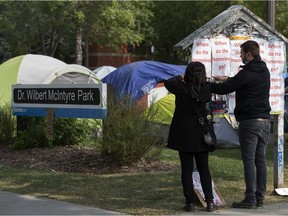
(281, 17)
(50, 27)
(125, 22)
(127, 135)
(69, 131)
(175, 20)
(7, 125)
(31, 133)
(66, 131)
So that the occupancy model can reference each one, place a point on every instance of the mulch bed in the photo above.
(74, 159)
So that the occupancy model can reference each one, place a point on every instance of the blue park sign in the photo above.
(67, 100)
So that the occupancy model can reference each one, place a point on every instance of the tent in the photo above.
(138, 78)
(164, 108)
(40, 69)
(227, 136)
(143, 81)
(103, 71)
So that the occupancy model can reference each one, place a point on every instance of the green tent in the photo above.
(8, 76)
(40, 69)
(164, 109)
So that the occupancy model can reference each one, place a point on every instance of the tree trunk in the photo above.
(78, 50)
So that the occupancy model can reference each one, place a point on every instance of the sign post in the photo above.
(278, 150)
(50, 100)
(49, 129)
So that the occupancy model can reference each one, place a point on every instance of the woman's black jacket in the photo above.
(185, 132)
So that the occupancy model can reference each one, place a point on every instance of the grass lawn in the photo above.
(156, 193)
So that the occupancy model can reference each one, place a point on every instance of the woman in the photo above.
(185, 135)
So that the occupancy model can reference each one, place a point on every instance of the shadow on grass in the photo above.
(136, 194)
(150, 193)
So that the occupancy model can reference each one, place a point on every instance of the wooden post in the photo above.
(278, 150)
(49, 129)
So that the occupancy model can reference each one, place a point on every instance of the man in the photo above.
(252, 111)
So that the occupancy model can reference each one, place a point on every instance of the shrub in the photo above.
(31, 133)
(71, 131)
(66, 131)
(7, 125)
(127, 135)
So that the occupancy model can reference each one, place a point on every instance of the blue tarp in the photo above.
(138, 78)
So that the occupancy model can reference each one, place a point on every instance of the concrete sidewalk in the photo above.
(272, 209)
(16, 204)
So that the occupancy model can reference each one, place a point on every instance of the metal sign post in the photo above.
(278, 150)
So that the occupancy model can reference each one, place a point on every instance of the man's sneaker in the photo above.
(244, 204)
(259, 204)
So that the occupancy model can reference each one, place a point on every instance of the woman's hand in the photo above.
(182, 75)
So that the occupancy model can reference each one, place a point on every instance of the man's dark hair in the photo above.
(251, 46)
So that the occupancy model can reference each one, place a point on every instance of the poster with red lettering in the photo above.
(275, 59)
(220, 56)
(236, 60)
(201, 51)
(262, 46)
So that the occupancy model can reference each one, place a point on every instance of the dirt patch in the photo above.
(73, 159)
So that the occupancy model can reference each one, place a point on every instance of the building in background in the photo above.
(101, 55)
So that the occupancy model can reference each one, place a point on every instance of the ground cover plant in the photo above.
(146, 188)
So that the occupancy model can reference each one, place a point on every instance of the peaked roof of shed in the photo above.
(234, 14)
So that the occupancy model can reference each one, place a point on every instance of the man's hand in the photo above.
(220, 78)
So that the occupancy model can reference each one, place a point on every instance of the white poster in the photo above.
(275, 57)
(276, 92)
(236, 60)
(275, 60)
(282, 191)
(201, 51)
(220, 56)
(231, 102)
(218, 199)
(262, 46)
(235, 63)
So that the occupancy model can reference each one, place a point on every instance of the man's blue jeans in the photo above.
(253, 137)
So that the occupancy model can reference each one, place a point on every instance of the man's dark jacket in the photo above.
(252, 86)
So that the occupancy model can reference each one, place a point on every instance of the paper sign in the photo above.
(218, 200)
(262, 46)
(275, 57)
(276, 92)
(282, 191)
(201, 51)
(236, 60)
(220, 57)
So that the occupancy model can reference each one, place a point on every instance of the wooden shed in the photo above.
(236, 19)
(217, 45)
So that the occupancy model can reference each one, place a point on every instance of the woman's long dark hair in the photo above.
(195, 74)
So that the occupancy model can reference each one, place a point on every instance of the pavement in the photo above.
(272, 209)
(17, 204)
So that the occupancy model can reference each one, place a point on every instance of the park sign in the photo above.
(65, 100)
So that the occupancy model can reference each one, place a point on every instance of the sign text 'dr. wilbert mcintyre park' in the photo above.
(76, 100)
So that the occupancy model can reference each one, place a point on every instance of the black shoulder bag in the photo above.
(206, 123)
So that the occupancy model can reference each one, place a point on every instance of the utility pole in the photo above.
(271, 13)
